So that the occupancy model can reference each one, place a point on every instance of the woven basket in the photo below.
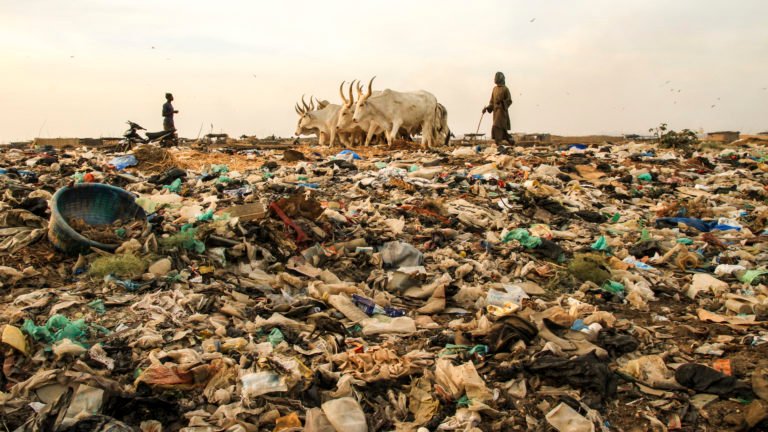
(95, 204)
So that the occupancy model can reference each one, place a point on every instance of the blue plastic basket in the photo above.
(95, 204)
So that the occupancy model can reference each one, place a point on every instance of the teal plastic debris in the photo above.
(613, 287)
(174, 187)
(523, 237)
(205, 216)
(413, 168)
(184, 238)
(601, 244)
(219, 169)
(98, 306)
(685, 241)
(451, 349)
(380, 165)
(480, 350)
(750, 276)
(275, 337)
(224, 179)
(57, 327)
(615, 218)
(647, 177)
(644, 235)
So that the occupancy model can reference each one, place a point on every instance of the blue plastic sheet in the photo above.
(122, 162)
(355, 156)
(701, 225)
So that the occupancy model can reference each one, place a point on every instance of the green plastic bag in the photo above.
(613, 287)
(685, 241)
(219, 169)
(523, 237)
(174, 187)
(57, 327)
(98, 306)
(601, 244)
(750, 276)
(185, 238)
(205, 216)
(275, 337)
(647, 177)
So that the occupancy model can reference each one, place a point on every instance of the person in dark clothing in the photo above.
(168, 113)
(499, 106)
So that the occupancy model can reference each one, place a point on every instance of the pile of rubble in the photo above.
(580, 288)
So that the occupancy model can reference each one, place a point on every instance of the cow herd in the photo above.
(375, 115)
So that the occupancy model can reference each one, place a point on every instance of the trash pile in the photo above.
(570, 288)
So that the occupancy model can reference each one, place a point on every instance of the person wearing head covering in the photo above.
(168, 113)
(499, 106)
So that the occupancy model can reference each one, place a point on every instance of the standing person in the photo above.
(168, 113)
(499, 106)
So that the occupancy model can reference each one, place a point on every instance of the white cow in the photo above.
(321, 121)
(393, 110)
(362, 132)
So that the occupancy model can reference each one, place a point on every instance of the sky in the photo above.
(82, 68)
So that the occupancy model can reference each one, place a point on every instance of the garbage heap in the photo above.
(572, 288)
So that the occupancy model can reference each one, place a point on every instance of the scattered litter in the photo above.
(566, 287)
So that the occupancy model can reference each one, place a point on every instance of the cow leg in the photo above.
(369, 135)
(427, 133)
(393, 133)
(333, 137)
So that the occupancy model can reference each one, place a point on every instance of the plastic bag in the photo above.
(260, 383)
(348, 155)
(58, 327)
(122, 162)
(523, 237)
(345, 415)
(174, 187)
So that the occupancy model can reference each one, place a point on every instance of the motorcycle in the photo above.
(132, 137)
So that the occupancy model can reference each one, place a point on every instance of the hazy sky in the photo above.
(82, 68)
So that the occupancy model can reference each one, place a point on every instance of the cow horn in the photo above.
(359, 90)
(351, 97)
(311, 104)
(298, 110)
(306, 107)
(341, 92)
(370, 88)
